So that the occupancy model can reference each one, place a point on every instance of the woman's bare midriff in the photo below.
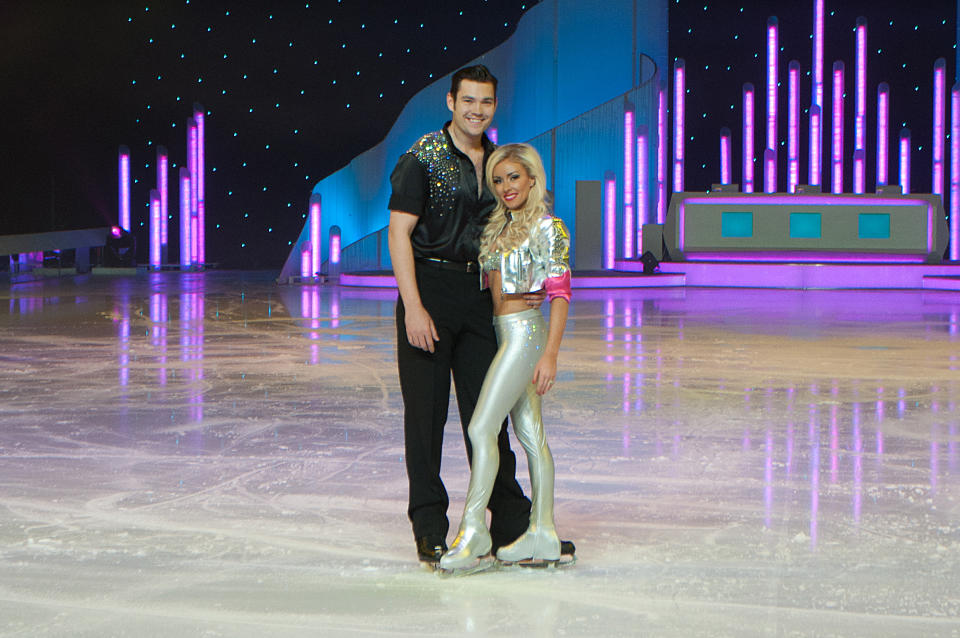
(504, 304)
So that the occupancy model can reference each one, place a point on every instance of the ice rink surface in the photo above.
(212, 454)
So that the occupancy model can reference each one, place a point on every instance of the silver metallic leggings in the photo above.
(508, 388)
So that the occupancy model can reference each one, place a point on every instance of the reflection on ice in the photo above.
(210, 453)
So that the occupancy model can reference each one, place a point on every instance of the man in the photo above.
(438, 207)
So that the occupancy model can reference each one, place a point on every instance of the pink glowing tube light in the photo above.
(836, 161)
(679, 95)
(817, 90)
(939, 126)
(883, 133)
(661, 155)
(773, 71)
(859, 170)
(155, 231)
(793, 126)
(817, 86)
(315, 234)
(194, 231)
(816, 125)
(192, 161)
(769, 170)
(609, 219)
(748, 145)
(192, 165)
(492, 134)
(905, 161)
(306, 260)
(860, 90)
(629, 147)
(201, 255)
(184, 217)
(643, 176)
(725, 136)
(163, 187)
(955, 172)
(334, 245)
(124, 191)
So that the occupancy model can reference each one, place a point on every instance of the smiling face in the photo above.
(472, 108)
(512, 183)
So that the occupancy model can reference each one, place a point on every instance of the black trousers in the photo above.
(463, 316)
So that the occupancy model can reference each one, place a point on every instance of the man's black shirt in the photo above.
(437, 182)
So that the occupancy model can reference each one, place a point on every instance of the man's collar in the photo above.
(488, 146)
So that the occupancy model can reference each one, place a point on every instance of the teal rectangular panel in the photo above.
(874, 226)
(805, 226)
(736, 224)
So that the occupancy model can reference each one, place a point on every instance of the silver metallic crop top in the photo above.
(544, 254)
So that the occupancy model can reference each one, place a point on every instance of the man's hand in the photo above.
(421, 333)
(535, 299)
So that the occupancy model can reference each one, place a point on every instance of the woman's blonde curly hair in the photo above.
(521, 221)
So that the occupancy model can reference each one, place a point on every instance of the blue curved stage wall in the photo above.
(566, 57)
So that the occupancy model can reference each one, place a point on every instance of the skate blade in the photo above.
(565, 560)
(483, 565)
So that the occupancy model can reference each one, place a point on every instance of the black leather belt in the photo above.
(446, 264)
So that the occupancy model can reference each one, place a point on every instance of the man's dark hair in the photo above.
(478, 73)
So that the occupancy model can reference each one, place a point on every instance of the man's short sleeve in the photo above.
(409, 184)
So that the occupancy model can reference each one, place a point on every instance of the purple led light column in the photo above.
(163, 188)
(725, 155)
(817, 85)
(643, 176)
(201, 254)
(155, 229)
(306, 260)
(817, 90)
(609, 219)
(883, 133)
(679, 95)
(955, 172)
(492, 134)
(793, 126)
(184, 217)
(859, 170)
(661, 155)
(123, 207)
(905, 160)
(836, 157)
(816, 125)
(769, 170)
(629, 146)
(334, 246)
(748, 146)
(770, 174)
(192, 140)
(315, 234)
(860, 92)
(939, 115)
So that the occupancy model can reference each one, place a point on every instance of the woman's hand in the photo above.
(545, 372)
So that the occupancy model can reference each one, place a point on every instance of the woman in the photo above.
(524, 248)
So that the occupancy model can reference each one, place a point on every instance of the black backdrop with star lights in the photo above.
(292, 92)
(723, 45)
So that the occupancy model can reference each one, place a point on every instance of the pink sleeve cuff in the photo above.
(558, 286)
